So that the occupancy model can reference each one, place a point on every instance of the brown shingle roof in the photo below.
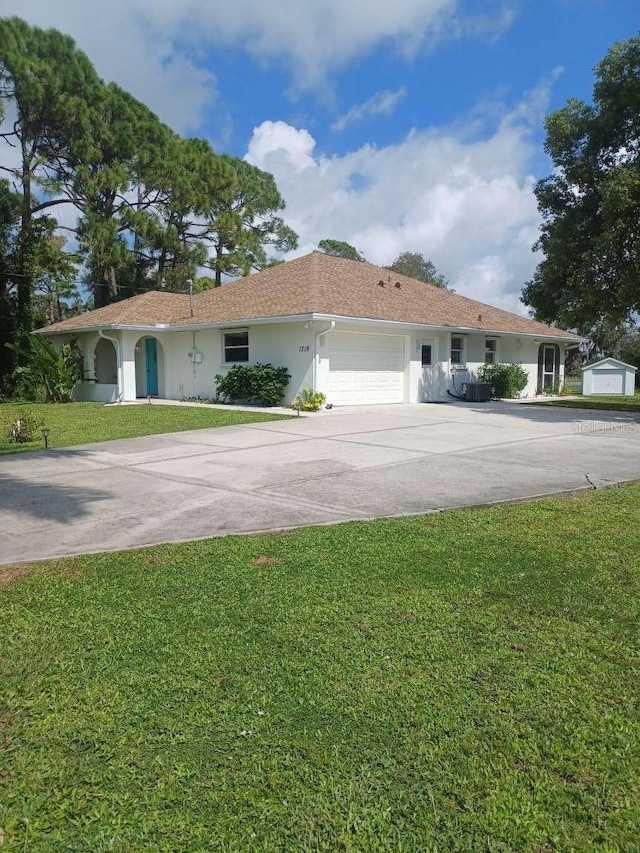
(314, 284)
(146, 309)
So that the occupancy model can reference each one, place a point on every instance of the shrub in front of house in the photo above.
(508, 380)
(23, 429)
(252, 383)
(309, 400)
(43, 368)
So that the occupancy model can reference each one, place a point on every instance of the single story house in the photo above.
(358, 333)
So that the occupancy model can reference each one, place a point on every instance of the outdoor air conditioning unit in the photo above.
(477, 392)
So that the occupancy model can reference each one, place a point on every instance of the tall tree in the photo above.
(590, 206)
(44, 81)
(9, 225)
(244, 222)
(56, 294)
(110, 181)
(177, 233)
(340, 249)
(414, 265)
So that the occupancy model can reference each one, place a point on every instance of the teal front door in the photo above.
(151, 360)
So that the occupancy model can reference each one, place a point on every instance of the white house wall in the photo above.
(428, 383)
(287, 345)
(294, 346)
(510, 350)
(432, 383)
(179, 376)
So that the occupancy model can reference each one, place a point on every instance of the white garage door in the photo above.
(607, 382)
(364, 368)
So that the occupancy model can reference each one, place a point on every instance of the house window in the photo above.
(236, 346)
(426, 355)
(457, 349)
(490, 350)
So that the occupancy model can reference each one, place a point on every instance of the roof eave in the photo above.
(301, 318)
(449, 328)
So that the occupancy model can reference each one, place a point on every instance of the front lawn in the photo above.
(84, 423)
(613, 404)
(466, 681)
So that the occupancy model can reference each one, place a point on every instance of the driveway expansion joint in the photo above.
(169, 488)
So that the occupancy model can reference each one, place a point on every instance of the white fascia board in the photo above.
(447, 328)
(112, 327)
(186, 327)
(76, 331)
(305, 318)
(242, 323)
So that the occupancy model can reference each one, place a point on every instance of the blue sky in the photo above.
(415, 125)
(442, 85)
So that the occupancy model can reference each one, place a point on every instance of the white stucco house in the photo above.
(354, 331)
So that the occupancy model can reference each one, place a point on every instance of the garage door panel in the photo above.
(607, 382)
(365, 368)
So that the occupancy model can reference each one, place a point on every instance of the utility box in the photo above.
(608, 377)
(477, 392)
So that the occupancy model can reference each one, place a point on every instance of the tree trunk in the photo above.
(218, 275)
(25, 247)
(110, 278)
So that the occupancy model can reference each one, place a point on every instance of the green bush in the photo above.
(309, 400)
(508, 380)
(259, 383)
(55, 371)
(23, 429)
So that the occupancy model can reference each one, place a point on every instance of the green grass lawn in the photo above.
(83, 423)
(614, 404)
(457, 682)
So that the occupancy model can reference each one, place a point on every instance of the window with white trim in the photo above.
(490, 351)
(457, 349)
(236, 346)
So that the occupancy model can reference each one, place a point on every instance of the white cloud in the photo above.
(285, 147)
(383, 102)
(157, 49)
(139, 52)
(467, 204)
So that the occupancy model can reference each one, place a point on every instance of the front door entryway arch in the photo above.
(149, 367)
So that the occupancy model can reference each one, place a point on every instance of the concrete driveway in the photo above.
(334, 466)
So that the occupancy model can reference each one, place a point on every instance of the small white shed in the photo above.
(608, 377)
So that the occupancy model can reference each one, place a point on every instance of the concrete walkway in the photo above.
(349, 463)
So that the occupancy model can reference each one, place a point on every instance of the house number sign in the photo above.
(304, 348)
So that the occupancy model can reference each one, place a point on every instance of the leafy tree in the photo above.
(151, 206)
(56, 295)
(244, 221)
(604, 338)
(178, 230)
(44, 79)
(9, 219)
(57, 371)
(340, 249)
(590, 206)
(109, 180)
(414, 265)
(630, 349)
